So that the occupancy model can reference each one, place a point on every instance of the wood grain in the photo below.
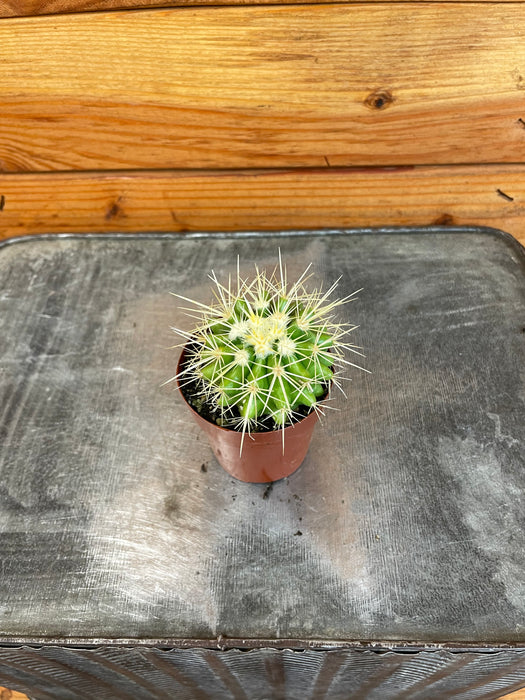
(6, 694)
(27, 8)
(518, 695)
(21, 8)
(263, 200)
(290, 86)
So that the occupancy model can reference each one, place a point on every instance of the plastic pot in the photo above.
(263, 458)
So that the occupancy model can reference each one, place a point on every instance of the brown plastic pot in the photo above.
(262, 458)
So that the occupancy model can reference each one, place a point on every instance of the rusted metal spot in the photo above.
(379, 99)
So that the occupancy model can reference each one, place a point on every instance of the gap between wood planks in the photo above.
(269, 200)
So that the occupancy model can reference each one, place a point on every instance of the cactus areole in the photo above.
(264, 354)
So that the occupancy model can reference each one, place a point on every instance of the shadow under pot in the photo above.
(262, 458)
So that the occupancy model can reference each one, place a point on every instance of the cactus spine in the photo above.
(265, 348)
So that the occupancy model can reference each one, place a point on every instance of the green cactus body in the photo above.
(266, 350)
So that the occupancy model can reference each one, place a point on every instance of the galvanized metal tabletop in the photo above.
(403, 528)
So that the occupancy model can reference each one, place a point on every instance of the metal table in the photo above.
(391, 565)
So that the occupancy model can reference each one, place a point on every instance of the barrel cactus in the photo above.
(265, 352)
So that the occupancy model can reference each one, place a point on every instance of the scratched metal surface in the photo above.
(404, 524)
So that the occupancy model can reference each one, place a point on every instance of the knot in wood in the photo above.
(379, 99)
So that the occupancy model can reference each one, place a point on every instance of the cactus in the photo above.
(265, 353)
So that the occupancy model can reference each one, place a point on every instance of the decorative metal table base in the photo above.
(112, 673)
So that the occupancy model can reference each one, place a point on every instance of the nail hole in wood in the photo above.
(521, 122)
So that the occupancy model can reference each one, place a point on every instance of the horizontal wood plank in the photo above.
(518, 695)
(6, 694)
(263, 200)
(290, 86)
(28, 8)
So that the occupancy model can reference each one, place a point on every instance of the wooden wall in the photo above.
(121, 115)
